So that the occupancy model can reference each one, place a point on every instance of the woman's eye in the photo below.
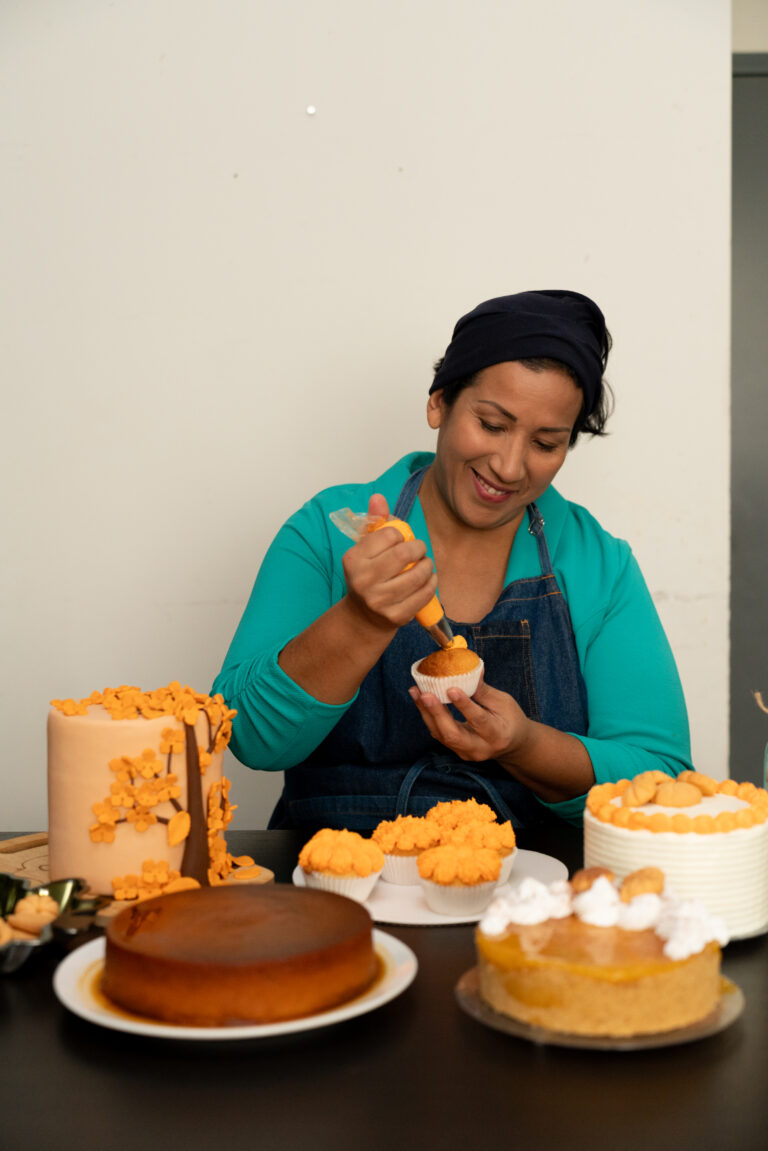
(546, 447)
(491, 427)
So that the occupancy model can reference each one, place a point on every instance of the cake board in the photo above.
(26, 856)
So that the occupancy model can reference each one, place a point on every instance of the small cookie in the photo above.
(645, 881)
(705, 783)
(675, 793)
(30, 925)
(37, 904)
(583, 879)
(23, 936)
(642, 788)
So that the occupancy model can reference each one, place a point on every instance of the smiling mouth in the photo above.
(488, 491)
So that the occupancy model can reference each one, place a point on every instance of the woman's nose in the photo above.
(509, 461)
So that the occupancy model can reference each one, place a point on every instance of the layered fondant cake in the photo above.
(590, 958)
(709, 837)
(223, 956)
(137, 803)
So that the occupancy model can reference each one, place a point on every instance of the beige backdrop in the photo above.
(235, 237)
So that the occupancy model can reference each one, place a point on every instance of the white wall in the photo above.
(215, 303)
(750, 25)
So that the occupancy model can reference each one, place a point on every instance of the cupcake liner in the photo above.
(439, 684)
(446, 899)
(357, 887)
(507, 862)
(402, 869)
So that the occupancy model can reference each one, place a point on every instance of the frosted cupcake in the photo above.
(402, 840)
(454, 812)
(342, 861)
(447, 668)
(459, 880)
(497, 836)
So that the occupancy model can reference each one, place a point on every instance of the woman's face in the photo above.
(503, 441)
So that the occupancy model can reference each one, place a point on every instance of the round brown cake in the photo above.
(222, 956)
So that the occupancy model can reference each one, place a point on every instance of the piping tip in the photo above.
(441, 633)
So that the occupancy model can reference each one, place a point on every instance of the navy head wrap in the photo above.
(558, 325)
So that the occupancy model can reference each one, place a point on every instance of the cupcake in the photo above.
(402, 840)
(342, 861)
(446, 668)
(459, 880)
(498, 836)
(454, 812)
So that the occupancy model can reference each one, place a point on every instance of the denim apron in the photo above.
(380, 760)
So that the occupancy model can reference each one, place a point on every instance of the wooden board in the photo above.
(26, 856)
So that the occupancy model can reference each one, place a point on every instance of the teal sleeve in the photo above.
(278, 724)
(637, 714)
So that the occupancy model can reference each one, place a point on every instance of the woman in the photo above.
(579, 683)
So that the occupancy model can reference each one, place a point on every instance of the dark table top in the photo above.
(417, 1072)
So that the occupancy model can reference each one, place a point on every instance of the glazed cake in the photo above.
(588, 958)
(223, 956)
(709, 837)
(137, 803)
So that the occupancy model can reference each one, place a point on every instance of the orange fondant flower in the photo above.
(125, 886)
(172, 740)
(167, 788)
(106, 813)
(102, 833)
(147, 764)
(121, 795)
(141, 818)
(123, 767)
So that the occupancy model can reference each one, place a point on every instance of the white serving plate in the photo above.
(405, 906)
(76, 982)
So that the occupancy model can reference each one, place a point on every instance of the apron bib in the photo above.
(380, 760)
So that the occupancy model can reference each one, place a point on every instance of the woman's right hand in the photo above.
(388, 578)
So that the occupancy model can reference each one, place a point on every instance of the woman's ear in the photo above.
(435, 408)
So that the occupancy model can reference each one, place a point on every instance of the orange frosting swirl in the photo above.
(459, 865)
(498, 836)
(405, 835)
(341, 853)
(457, 811)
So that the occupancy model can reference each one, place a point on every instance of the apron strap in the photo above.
(440, 762)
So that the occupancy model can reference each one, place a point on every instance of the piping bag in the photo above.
(431, 617)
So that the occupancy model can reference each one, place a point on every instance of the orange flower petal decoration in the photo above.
(182, 883)
(178, 828)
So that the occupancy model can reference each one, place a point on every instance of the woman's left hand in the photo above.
(495, 725)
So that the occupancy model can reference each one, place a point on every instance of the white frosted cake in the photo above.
(709, 837)
(137, 804)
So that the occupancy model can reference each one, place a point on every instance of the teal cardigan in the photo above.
(637, 713)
